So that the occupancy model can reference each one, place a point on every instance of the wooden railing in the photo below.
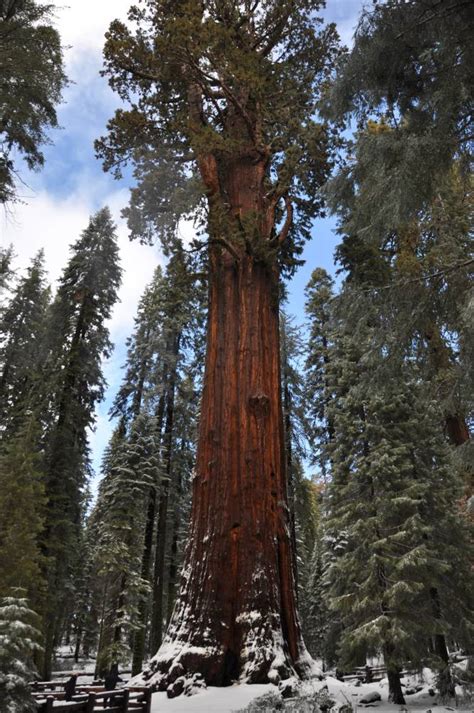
(88, 699)
(366, 674)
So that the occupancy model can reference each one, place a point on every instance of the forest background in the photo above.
(60, 198)
(386, 385)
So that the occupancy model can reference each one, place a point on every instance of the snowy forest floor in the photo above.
(266, 699)
(242, 698)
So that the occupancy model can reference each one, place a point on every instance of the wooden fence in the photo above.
(88, 699)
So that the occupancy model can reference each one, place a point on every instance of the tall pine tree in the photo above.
(31, 82)
(22, 350)
(78, 341)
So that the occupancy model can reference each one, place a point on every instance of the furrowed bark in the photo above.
(235, 616)
(287, 407)
(240, 592)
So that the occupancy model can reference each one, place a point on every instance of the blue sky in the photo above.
(59, 199)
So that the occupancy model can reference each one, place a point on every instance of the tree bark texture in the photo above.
(395, 688)
(235, 616)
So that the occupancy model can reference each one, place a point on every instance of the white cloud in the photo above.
(83, 24)
(345, 14)
(72, 186)
(54, 223)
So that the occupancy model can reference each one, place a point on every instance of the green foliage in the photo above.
(219, 82)
(404, 195)
(410, 71)
(131, 469)
(19, 638)
(170, 309)
(148, 462)
(78, 340)
(394, 494)
(386, 561)
(319, 293)
(22, 330)
(6, 256)
(31, 81)
(22, 505)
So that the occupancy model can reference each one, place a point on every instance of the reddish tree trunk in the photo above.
(236, 611)
(235, 616)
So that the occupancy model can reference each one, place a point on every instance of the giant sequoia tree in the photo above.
(222, 97)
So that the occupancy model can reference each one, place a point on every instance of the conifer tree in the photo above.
(22, 506)
(132, 468)
(407, 83)
(177, 381)
(392, 492)
(302, 492)
(78, 341)
(19, 640)
(319, 293)
(22, 350)
(227, 94)
(22, 410)
(164, 356)
(402, 195)
(141, 354)
(323, 624)
(31, 81)
(6, 256)
(318, 620)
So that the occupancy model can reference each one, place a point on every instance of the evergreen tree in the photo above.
(141, 353)
(162, 361)
(403, 193)
(393, 493)
(323, 624)
(6, 256)
(22, 410)
(303, 493)
(174, 372)
(132, 468)
(320, 625)
(19, 640)
(319, 293)
(22, 332)
(31, 81)
(78, 341)
(84, 621)
(408, 75)
(22, 506)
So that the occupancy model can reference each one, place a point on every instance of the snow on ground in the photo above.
(212, 700)
(232, 699)
(237, 697)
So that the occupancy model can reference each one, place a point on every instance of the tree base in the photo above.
(182, 665)
(395, 694)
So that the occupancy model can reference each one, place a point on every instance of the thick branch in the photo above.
(139, 73)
